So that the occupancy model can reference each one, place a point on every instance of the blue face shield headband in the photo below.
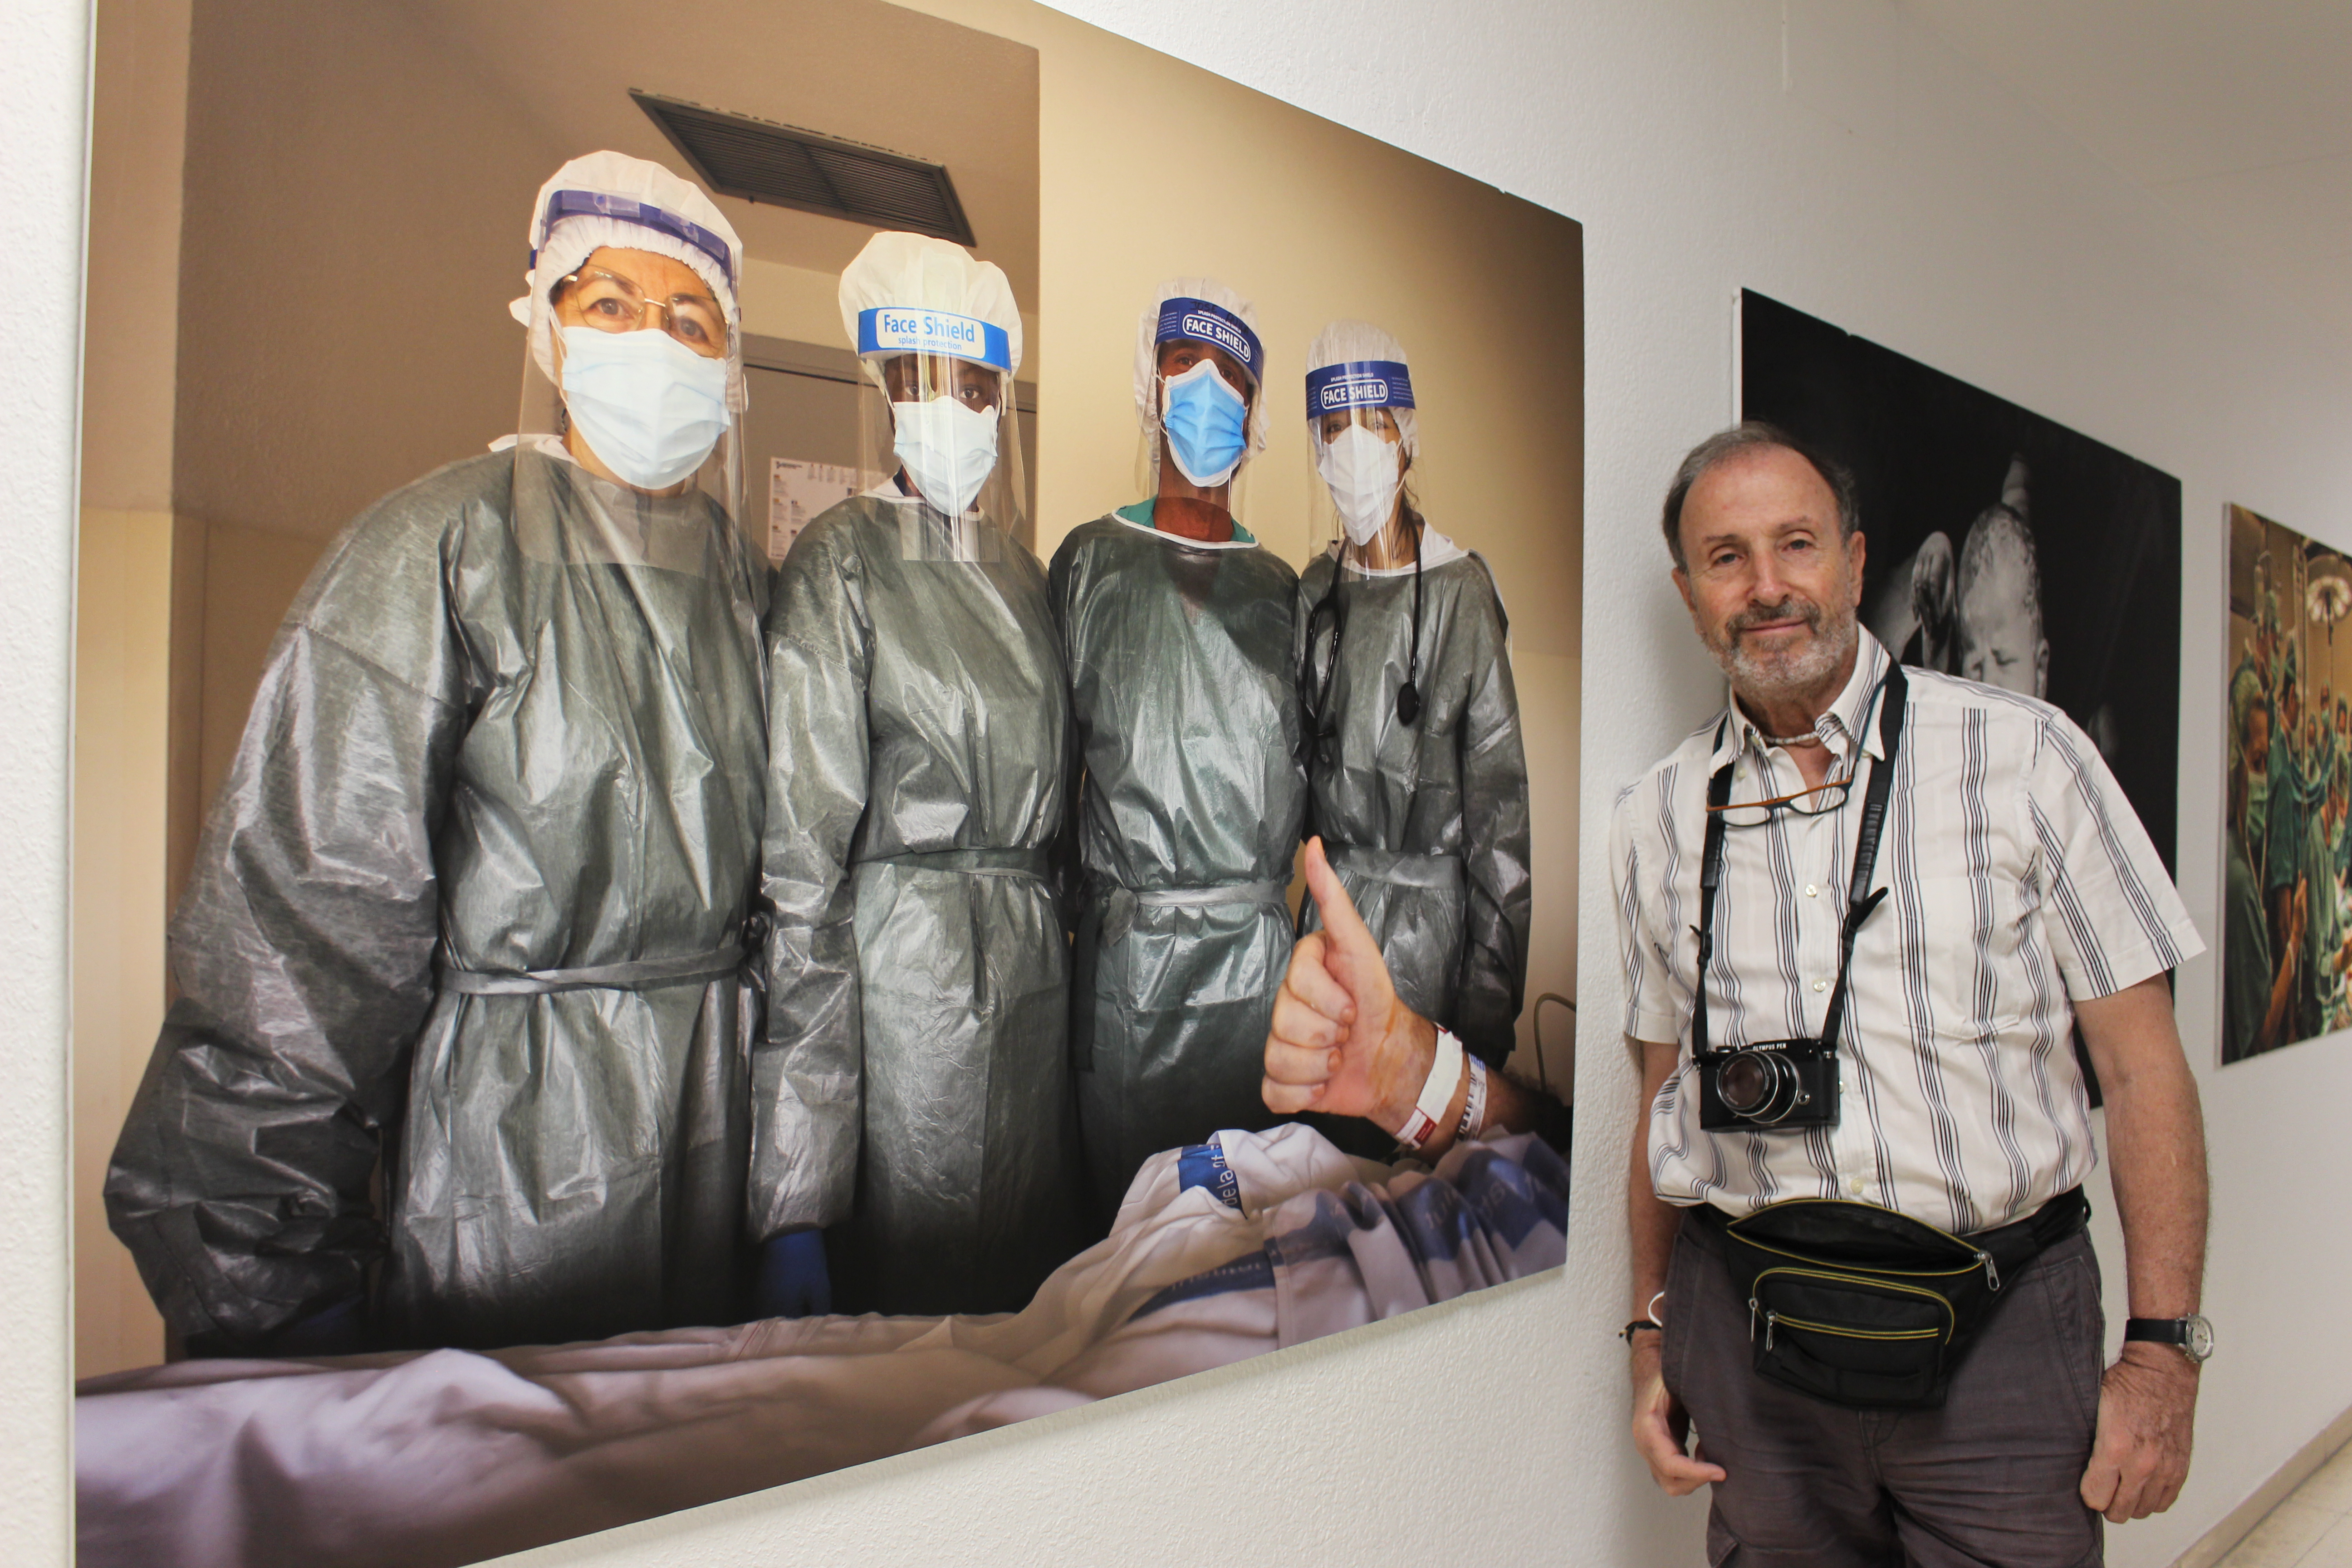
(1358, 383)
(1206, 419)
(597, 203)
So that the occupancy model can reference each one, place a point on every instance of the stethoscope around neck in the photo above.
(1408, 696)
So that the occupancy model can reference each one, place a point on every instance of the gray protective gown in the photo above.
(915, 1077)
(494, 740)
(1426, 825)
(1185, 697)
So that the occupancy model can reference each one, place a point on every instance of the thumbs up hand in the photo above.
(1342, 1042)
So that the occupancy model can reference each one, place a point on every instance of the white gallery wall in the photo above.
(1827, 153)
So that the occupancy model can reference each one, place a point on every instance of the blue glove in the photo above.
(793, 1281)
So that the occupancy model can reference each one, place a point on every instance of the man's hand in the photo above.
(1340, 1041)
(2147, 1411)
(2156, 1162)
(1662, 1428)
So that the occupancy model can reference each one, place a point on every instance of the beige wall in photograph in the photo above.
(128, 716)
(122, 743)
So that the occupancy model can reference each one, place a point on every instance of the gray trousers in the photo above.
(1990, 1478)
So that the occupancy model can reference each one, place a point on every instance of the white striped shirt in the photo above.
(2020, 881)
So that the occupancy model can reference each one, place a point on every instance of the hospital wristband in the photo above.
(1436, 1093)
(1474, 1104)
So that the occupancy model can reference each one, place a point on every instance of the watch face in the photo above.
(2199, 1343)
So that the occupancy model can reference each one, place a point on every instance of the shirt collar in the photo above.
(1853, 715)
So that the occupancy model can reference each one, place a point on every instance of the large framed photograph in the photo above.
(734, 820)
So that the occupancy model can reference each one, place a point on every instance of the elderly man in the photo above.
(1860, 911)
(469, 923)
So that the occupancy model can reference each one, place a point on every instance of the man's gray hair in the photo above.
(1752, 436)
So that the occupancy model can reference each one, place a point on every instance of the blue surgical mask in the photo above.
(648, 406)
(1207, 424)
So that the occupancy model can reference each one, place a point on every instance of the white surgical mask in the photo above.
(1364, 473)
(949, 450)
(648, 406)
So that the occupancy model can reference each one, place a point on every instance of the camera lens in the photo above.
(1750, 1082)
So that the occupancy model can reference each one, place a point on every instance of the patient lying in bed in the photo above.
(1222, 1251)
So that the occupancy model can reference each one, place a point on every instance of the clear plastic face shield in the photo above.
(1363, 438)
(938, 430)
(1201, 405)
(629, 442)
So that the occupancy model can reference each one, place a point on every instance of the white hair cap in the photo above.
(915, 272)
(1356, 342)
(629, 203)
(1147, 354)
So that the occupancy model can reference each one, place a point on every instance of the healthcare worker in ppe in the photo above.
(1417, 773)
(1179, 627)
(475, 901)
(912, 1090)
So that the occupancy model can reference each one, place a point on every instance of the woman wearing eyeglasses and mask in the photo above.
(458, 1057)
(1417, 778)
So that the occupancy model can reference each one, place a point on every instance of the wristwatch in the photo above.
(2191, 1335)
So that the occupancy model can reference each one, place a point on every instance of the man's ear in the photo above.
(1681, 586)
(1857, 555)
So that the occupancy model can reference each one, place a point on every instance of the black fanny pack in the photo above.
(1865, 1307)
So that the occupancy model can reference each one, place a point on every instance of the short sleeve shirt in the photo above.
(2018, 882)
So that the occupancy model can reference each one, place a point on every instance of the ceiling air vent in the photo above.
(761, 161)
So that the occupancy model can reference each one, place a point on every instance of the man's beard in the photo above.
(1799, 672)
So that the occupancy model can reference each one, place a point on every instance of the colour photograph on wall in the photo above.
(2002, 546)
(2286, 924)
(735, 820)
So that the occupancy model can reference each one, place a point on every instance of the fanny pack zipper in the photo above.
(1772, 1320)
(1756, 1307)
(1984, 1259)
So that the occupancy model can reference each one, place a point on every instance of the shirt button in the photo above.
(1853, 1185)
(1811, 891)
(1820, 985)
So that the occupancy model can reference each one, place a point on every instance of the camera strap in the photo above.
(1860, 900)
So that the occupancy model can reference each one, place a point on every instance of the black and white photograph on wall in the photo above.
(2287, 756)
(2003, 547)
(730, 906)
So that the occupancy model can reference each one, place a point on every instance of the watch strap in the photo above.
(2193, 1336)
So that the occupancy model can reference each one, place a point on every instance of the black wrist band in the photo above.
(1627, 1332)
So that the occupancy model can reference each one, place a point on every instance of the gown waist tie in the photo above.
(640, 974)
(1120, 904)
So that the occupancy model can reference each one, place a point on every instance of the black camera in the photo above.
(1772, 1084)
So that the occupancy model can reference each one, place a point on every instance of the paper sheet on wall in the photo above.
(798, 491)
